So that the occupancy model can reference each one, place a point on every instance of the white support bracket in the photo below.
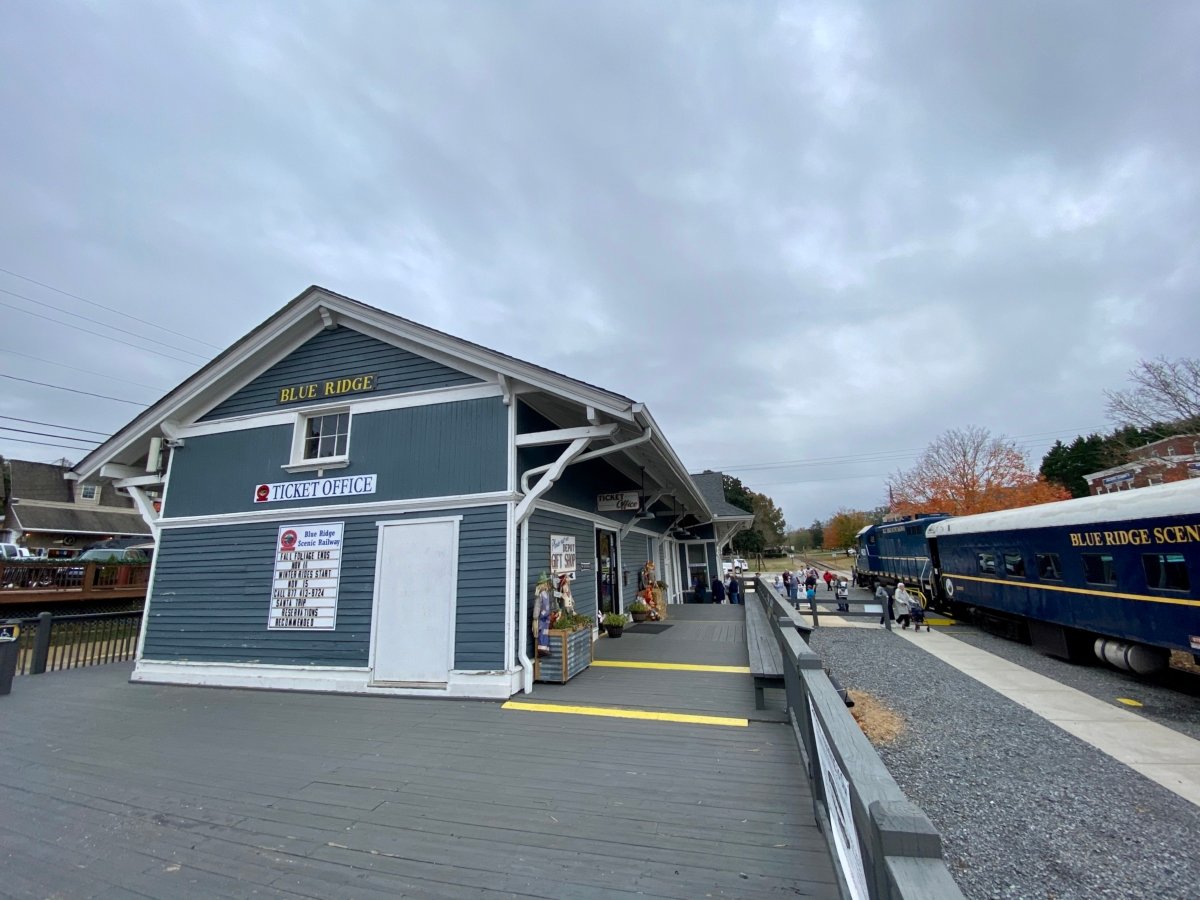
(327, 318)
(562, 435)
(506, 390)
(628, 526)
(145, 506)
(551, 475)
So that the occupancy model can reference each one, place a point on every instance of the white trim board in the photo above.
(594, 518)
(382, 507)
(464, 684)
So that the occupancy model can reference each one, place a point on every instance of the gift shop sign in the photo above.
(562, 554)
(323, 390)
(316, 488)
(624, 501)
(308, 566)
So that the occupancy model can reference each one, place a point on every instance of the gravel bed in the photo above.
(1172, 700)
(1025, 810)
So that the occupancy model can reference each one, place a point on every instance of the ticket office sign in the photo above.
(308, 567)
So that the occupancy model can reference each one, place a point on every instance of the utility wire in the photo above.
(110, 309)
(73, 390)
(64, 437)
(67, 312)
(52, 362)
(43, 444)
(103, 434)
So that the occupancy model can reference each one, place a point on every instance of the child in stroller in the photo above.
(842, 594)
(917, 612)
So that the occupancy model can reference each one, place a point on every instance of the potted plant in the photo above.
(614, 624)
(639, 610)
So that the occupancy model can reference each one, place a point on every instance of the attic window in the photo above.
(321, 440)
(89, 493)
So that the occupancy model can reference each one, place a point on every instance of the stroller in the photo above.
(917, 611)
(842, 594)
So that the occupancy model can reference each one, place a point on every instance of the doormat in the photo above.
(648, 629)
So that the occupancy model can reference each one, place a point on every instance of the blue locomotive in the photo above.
(1114, 575)
(898, 551)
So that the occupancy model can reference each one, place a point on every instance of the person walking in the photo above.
(842, 595)
(718, 589)
(735, 590)
(884, 598)
(828, 580)
(902, 602)
(698, 588)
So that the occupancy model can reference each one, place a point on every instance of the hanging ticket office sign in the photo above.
(308, 567)
(623, 501)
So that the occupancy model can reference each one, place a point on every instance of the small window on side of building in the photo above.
(321, 440)
(88, 493)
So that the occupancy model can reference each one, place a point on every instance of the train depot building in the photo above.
(354, 502)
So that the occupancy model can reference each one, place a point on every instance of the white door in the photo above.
(415, 585)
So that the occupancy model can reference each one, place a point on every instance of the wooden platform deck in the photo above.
(116, 790)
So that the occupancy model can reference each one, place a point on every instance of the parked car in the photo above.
(73, 574)
(10, 551)
(735, 566)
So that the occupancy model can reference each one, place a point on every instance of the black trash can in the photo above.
(9, 650)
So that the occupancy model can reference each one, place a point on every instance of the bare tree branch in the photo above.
(1164, 392)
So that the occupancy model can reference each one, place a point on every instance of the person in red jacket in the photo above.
(828, 580)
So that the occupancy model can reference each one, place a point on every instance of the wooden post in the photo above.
(41, 647)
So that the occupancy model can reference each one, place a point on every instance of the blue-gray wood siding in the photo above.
(440, 450)
(212, 593)
(541, 525)
(340, 352)
(635, 553)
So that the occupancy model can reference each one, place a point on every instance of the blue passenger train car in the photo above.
(897, 551)
(1115, 575)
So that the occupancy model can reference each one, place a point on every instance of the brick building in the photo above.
(1171, 459)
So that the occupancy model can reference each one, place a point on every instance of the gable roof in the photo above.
(37, 481)
(712, 486)
(318, 308)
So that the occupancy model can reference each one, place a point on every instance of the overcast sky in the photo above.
(817, 234)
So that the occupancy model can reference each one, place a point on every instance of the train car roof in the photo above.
(1180, 497)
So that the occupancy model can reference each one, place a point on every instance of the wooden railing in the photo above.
(29, 580)
(884, 846)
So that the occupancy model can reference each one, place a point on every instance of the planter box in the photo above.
(570, 653)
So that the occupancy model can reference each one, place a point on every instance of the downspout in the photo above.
(520, 521)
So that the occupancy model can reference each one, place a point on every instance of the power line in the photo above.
(64, 437)
(41, 443)
(73, 390)
(107, 337)
(110, 309)
(52, 362)
(103, 434)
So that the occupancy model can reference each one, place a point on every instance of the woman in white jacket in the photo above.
(902, 603)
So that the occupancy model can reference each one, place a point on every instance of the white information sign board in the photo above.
(562, 554)
(841, 814)
(308, 567)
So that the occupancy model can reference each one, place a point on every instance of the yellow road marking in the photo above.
(1128, 702)
(649, 714)
(672, 667)
(929, 621)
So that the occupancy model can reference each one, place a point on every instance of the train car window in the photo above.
(1049, 567)
(987, 563)
(1098, 568)
(1014, 564)
(1166, 571)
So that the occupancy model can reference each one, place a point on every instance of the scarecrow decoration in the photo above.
(543, 610)
(646, 591)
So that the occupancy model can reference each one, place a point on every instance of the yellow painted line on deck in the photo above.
(671, 667)
(645, 714)
(1128, 701)
(930, 621)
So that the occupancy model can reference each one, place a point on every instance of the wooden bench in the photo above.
(766, 660)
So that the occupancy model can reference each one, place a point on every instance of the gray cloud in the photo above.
(808, 231)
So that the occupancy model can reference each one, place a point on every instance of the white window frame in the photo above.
(298, 462)
(90, 501)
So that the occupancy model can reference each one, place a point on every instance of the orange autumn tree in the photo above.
(969, 471)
